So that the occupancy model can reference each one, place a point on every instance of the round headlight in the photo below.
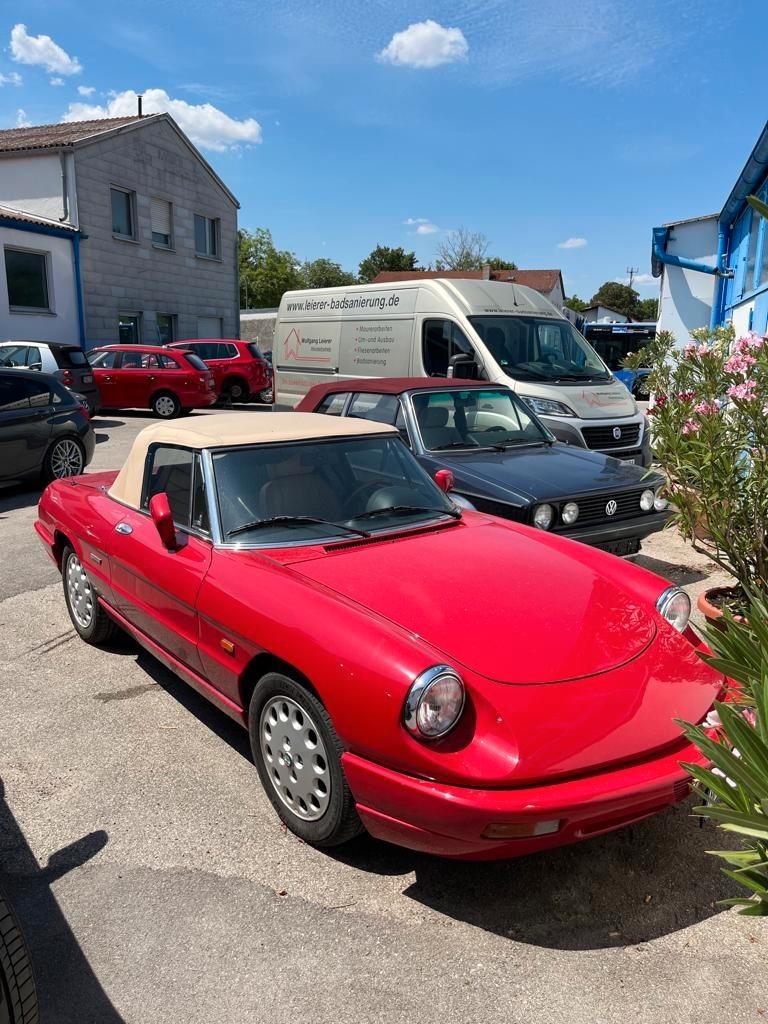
(434, 703)
(543, 516)
(675, 605)
(647, 499)
(570, 513)
(660, 503)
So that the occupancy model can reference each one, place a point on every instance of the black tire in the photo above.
(267, 396)
(165, 405)
(236, 390)
(99, 628)
(18, 997)
(339, 821)
(65, 457)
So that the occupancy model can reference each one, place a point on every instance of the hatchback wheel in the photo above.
(165, 405)
(267, 396)
(298, 757)
(236, 390)
(65, 457)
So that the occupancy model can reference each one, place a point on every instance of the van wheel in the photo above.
(236, 390)
(165, 405)
(18, 998)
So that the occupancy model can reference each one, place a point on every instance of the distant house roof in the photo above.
(543, 281)
(69, 134)
(600, 305)
(8, 213)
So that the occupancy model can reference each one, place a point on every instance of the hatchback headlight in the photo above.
(570, 513)
(647, 498)
(660, 503)
(543, 516)
(434, 703)
(675, 605)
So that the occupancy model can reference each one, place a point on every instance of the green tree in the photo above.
(265, 271)
(617, 296)
(497, 263)
(648, 309)
(576, 304)
(385, 258)
(462, 249)
(323, 273)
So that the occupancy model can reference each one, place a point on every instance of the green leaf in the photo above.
(757, 885)
(754, 909)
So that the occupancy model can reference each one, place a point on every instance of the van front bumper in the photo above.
(569, 431)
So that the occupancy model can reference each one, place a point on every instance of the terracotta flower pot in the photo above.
(712, 612)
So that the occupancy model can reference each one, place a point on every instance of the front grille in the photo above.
(592, 509)
(602, 438)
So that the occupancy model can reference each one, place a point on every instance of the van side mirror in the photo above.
(162, 517)
(460, 359)
(444, 480)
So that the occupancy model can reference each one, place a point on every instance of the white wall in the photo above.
(686, 295)
(59, 325)
(34, 184)
(740, 318)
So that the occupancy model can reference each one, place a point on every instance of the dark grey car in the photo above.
(66, 361)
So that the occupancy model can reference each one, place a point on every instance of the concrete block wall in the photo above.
(122, 276)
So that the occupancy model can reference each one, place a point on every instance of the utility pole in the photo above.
(631, 271)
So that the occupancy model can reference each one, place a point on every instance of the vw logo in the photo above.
(612, 507)
(617, 433)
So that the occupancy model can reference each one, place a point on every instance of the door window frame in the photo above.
(199, 472)
(454, 327)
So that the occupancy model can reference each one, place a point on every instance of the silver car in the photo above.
(64, 360)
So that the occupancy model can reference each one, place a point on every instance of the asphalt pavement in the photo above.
(155, 884)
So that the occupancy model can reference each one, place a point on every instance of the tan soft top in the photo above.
(222, 430)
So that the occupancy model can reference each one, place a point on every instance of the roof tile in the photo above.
(51, 136)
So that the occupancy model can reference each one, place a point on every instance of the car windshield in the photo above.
(539, 348)
(310, 491)
(13, 355)
(475, 418)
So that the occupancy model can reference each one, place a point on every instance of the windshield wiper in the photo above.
(453, 444)
(517, 444)
(293, 521)
(401, 510)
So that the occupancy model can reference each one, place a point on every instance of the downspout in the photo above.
(717, 299)
(660, 238)
(64, 186)
(78, 288)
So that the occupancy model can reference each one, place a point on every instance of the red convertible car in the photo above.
(449, 681)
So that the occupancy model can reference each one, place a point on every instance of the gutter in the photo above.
(660, 255)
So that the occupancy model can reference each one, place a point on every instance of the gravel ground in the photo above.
(155, 884)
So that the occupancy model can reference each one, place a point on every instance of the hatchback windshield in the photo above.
(475, 419)
(539, 348)
(283, 494)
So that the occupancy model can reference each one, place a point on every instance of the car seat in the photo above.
(298, 490)
(434, 427)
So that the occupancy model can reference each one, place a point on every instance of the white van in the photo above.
(492, 330)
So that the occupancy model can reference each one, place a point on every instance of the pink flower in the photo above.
(691, 427)
(689, 350)
(739, 363)
(749, 716)
(705, 408)
(746, 391)
(703, 349)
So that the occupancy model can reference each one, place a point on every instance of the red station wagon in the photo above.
(239, 367)
(151, 377)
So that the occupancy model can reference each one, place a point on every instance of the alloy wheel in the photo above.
(267, 396)
(79, 591)
(295, 758)
(66, 459)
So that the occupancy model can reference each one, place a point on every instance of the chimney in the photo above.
(139, 98)
(486, 271)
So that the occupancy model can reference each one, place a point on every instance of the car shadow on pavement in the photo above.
(681, 575)
(16, 497)
(634, 885)
(67, 989)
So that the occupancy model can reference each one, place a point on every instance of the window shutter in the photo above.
(161, 217)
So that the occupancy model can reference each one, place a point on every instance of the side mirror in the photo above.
(460, 359)
(162, 517)
(444, 480)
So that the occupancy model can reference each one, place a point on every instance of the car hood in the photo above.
(539, 473)
(502, 600)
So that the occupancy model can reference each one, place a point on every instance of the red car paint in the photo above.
(139, 372)
(231, 362)
(571, 688)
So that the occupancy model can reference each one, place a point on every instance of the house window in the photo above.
(27, 275)
(162, 216)
(206, 236)
(128, 328)
(123, 218)
(166, 328)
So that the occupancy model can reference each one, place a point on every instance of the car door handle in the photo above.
(106, 378)
(124, 528)
(152, 377)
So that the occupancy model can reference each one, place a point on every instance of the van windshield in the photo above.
(539, 348)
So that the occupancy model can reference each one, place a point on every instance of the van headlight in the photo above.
(675, 606)
(434, 703)
(548, 407)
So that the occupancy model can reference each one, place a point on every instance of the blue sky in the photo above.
(340, 125)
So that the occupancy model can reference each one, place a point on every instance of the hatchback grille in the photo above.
(592, 509)
(603, 437)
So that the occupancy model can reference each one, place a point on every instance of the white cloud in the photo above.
(423, 225)
(42, 50)
(57, 81)
(640, 281)
(206, 125)
(572, 243)
(12, 78)
(22, 121)
(425, 44)
(86, 90)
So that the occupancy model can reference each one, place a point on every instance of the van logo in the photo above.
(612, 507)
(292, 350)
(617, 433)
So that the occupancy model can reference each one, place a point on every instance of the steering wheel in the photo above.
(494, 430)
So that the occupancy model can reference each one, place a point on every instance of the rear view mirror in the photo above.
(162, 517)
(462, 359)
(444, 480)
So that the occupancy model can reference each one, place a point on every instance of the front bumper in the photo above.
(569, 431)
(449, 821)
(626, 529)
